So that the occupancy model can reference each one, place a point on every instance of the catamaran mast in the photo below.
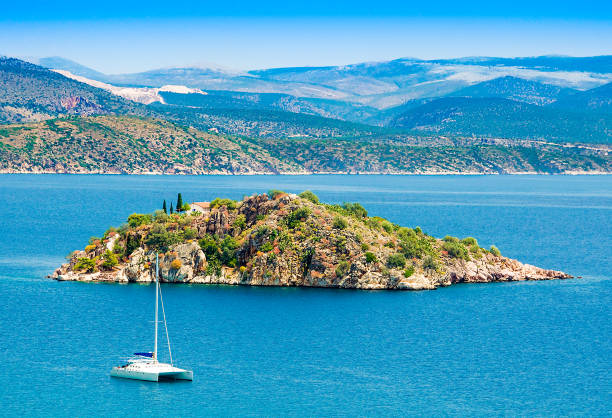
(156, 297)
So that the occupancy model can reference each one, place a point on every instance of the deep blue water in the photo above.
(536, 348)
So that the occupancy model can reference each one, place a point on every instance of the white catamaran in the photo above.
(145, 366)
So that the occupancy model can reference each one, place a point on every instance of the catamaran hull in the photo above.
(151, 376)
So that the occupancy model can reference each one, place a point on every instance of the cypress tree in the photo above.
(164, 207)
(179, 203)
(171, 208)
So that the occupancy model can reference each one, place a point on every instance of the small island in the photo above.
(281, 239)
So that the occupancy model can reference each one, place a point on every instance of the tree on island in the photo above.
(179, 203)
(164, 207)
(171, 208)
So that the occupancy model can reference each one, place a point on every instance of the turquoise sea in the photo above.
(528, 348)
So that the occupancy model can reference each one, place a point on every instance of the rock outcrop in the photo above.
(289, 241)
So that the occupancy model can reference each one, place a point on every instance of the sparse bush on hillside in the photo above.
(137, 219)
(161, 216)
(297, 216)
(343, 268)
(240, 222)
(409, 271)
(396, 261)
(231, 204)
(414, 245)
(386, 225)
(131, 243)
(118, 249)
(469, 241)
(456, 250)
(228, 247)
(209, 245)
(189, 233)
(493, 250)
(160, 239)
(110, 260)
(86, 265)
(339, 223)
(355, 209)
(219, 252)
(429, 263)
(370, 257)
(308, 195)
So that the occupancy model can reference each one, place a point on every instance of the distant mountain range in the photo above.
(377, 84)
(486, 115)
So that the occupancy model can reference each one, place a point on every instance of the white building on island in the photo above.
(201, 207)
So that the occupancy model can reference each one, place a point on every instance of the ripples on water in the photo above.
(511, 348)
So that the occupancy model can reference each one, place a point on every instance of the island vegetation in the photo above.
(283, 239)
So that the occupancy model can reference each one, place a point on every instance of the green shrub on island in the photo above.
(137, 219)
(370, 257)
(160, 216)
(160, 239)
(110, 260)
(189, 233)
(131, 243)
(297, 216)
(429, 263)
(455, 249)
(409, 271)
(396, 261)
(387, 226)
(308, 195)
(355, 209)
(469, 241)
(343, 268)
(228, 252)
(219, 252)
(240, 222)
(86, 265)
(118, 249)
(229, 203)
(493, 250)
(415, 245)
(339, 223)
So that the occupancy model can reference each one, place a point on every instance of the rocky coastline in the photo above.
(288, 240)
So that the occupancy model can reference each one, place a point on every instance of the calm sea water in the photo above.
(536, 348)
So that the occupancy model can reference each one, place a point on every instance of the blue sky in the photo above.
(126, 36)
